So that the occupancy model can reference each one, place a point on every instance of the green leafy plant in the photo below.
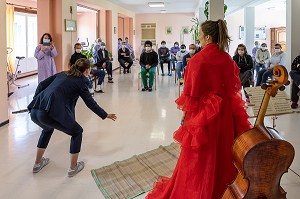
(89, 53)
(195, 28)
(206, 9)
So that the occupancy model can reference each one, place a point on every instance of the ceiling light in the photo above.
(163, 11)
(156, 4)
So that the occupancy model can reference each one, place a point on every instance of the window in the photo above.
(25, 40)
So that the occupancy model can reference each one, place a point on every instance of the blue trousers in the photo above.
(179, 69)
(263, 76)
(41, 118)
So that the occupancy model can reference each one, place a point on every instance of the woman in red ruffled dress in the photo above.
(214, 115)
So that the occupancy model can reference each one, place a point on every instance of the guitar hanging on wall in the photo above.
(260, 154)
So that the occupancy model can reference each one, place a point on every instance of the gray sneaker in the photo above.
(38, 167)
(78, 168)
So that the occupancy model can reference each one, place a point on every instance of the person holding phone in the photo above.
(45, 53)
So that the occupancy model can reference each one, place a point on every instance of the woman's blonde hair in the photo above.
(79, 67)
(218, 31)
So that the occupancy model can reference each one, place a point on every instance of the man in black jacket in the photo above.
(124, 57)
(295, 75)
(104, 62)
(99, 74)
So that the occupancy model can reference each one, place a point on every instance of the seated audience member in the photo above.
(99, 74)
(119, 43)
(245, 63)
(278, 58)
(103, 62)
(95, 49)
(295, 76)
(124, 57)
(148, 62)
(198, 46)
(179, 56)
(254, 50)
(129, 48)
(173, 52)
(164, 57)
(189, 55)
(261, 58)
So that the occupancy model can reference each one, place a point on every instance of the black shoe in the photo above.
(145, 89)
(150, 89)
(110, 78)
(110, 81)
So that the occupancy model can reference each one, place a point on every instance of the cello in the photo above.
(260, 154)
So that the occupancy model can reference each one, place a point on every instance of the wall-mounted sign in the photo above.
(259, 32)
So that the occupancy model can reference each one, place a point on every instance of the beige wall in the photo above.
(3, 78)
(28, 3)
(176, 21)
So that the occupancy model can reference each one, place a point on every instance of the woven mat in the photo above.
(132, 177)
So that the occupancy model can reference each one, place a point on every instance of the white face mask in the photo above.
(78, 50)
(192, 51)
(241, 52)
(176, 45)
(182, 50)
(263, 48)
(148, 48)
(163, 45)
(102, 47)
(46, 40)
(277, 50)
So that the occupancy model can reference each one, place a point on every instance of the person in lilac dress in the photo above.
(45, 53)
(173, 52)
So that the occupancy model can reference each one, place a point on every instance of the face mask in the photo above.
(148, 49)
(120, 42)
(192, 51)
(176, 45)
(78, 50)
(99, 43)
(240, 52)
(163, 45)
(102, 47)
(46, 40)
(257, 46)
(277, 50)
(263, 48)
(182, 50)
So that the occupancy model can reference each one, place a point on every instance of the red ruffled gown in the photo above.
(215, 116)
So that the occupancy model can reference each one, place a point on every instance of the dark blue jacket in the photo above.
(58, 95)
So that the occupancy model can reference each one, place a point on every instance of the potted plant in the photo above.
(195, 28)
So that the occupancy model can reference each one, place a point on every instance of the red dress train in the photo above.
(215, 116)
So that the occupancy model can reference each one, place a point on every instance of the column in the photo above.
(292, 31)
(249, 21)
(51, 18)
(201, 16)
(216, 10)
(3, 73)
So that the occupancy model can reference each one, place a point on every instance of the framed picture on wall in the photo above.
(70, 25)
(168, 30)
(185, 30)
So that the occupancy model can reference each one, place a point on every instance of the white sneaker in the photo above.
(78, 168)
(38, 167)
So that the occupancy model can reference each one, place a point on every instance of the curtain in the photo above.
(10, 36)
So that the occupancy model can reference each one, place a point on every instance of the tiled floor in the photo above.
(145, 121)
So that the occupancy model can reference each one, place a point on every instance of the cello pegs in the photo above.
(264, 86)
(287, 83)
(282, 88)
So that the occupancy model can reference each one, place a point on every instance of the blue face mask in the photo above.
(257, 46)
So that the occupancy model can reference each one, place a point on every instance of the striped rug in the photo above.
(132, 177)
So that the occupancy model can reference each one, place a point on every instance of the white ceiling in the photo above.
(184, 6)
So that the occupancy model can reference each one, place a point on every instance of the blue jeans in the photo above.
(173, 59)
(179, 69)
(258, 66)
(263, 76)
